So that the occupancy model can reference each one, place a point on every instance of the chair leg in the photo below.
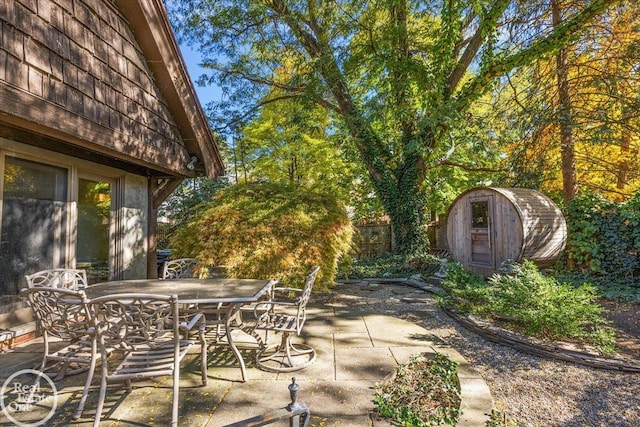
(176, 391)
(237, 354)
(203, 363)
(103, 393)
(87, 384)
(285, 357)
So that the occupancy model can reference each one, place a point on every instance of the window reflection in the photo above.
(480, 215)
(34, 212)
(94, 213)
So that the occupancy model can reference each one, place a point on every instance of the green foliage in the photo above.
(608, 287)
(424, 392)
(390, 265)
(499, 419)
(466, 291)
(397, 79)
(289, 142)
(181, 206)
(604, 237)
(533, 303)
(268, 231)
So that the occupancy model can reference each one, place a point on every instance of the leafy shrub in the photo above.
(268, 231)
(604, 238)
(531, 302)
(608, 287)
(424, 392)
(466, 291)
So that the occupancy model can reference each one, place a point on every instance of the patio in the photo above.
(355, 350)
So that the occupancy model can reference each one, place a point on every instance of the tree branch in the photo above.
(487, 25)
(468, 168)
(255, 108)
(559, 36)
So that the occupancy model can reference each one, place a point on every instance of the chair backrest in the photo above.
(132, 321)
(179, 268)
(309, 281)
(308, 286)
(58, 278)
(60, 312)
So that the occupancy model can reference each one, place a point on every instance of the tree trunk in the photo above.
(565, 119)
(625, 147)
(405, 202)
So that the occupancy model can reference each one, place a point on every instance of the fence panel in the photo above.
(375, 239)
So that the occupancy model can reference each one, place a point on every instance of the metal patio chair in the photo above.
(285, 314)
(179, 268)
(147, 330)
(68, 278)
(182, 268)
(63, 313)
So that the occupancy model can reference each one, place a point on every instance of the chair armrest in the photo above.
(288, 289)
(267, 307)
(194, 319)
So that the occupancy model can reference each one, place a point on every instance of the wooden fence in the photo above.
(374, 239)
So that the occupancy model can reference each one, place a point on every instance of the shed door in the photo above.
(481, 222)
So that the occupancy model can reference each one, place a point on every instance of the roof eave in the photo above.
(150, 25)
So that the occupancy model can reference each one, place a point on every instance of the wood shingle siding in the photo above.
(75, 68)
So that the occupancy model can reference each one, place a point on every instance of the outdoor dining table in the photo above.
(226, 292)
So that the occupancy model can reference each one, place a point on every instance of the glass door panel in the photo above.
(34, 218)
(94, 216)
(481, 251)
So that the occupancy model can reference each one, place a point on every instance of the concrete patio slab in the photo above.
(355, 350)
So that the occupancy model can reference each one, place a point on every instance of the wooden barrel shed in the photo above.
(488, 226)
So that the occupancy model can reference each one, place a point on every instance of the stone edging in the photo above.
(558, 350)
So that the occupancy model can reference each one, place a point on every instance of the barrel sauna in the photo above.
(488, 226)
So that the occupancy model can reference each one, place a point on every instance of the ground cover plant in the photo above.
(423, 392)
(390, 266)
(532, 303)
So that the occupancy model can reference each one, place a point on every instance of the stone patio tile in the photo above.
(336, 324)
(403, 354)
(322, 368)
(393, 332)
(358, 364)
(476, 402)
(352, 339)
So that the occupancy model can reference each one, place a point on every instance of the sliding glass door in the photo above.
(34, 221)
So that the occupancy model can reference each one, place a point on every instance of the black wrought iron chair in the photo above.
(147, 330)
(68, 278)
(285, 314)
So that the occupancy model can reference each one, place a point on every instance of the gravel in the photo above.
(529, 390)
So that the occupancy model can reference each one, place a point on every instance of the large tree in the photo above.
(399, 77)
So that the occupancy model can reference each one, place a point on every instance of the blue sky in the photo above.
(192, 59)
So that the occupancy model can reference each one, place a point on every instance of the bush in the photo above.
(604, 238)
(531, 302)
(268, 231)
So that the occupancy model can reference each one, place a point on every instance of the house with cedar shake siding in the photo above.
(99, 122)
